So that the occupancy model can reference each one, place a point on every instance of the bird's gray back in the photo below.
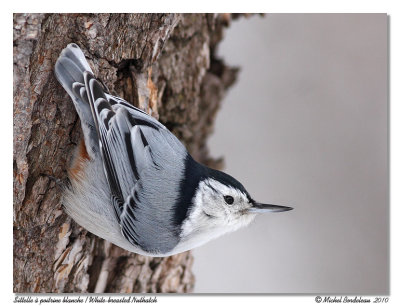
(149, 212)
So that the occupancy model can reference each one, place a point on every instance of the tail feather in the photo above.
(75, 54)
(69, 70)
(68, 73)
(80, 91)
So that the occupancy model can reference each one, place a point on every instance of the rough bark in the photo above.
(163, 63)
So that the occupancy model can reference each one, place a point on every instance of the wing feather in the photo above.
(140, 157)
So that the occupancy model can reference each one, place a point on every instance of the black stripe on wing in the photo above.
(128, 222)
(116, 100)
(129, 149)
(109, 114)
(139, 119)
(94, 92)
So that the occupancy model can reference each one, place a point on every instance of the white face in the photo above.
(226, 204)
(214, 213)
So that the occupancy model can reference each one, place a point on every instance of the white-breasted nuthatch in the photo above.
(134, 184)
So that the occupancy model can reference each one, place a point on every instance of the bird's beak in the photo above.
(267, 208)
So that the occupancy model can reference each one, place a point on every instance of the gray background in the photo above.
(306, 125)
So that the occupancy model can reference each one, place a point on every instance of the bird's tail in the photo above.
(69, 70)
(70, 67)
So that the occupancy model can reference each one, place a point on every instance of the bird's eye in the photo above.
(228, 199)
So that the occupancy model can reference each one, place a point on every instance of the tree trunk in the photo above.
(162, 63)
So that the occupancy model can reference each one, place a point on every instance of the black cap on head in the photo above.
(228, 180)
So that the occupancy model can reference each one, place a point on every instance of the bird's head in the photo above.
(220, 205)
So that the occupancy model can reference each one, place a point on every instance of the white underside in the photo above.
(88, 202)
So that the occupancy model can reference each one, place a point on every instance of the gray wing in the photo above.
(143, 162)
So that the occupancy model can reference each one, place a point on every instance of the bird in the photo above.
(134, 184)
